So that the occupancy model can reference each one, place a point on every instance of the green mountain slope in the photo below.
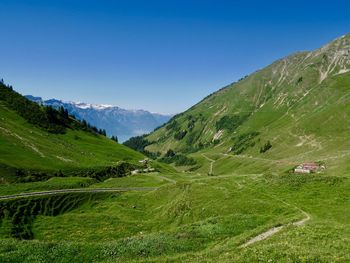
(299, 105)
(34, 146)
(247, 135)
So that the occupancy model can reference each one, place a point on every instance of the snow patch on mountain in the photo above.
(116, 121)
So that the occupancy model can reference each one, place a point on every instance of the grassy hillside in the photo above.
(299, 105)
(246, 137)
(28, 146)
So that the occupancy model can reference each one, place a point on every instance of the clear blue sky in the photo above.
(162, 56)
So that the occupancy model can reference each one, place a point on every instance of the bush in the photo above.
(177, 159)
(230, 123)
(243, 142)
(138, 143)
(169, 154)
(192, 138)
(173, 125)
(180, 135)
(191, 122)
(267, 146)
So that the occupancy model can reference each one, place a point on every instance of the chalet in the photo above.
(307, 168)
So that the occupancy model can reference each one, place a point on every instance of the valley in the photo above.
(214, 184)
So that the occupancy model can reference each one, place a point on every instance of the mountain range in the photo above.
(116, 121)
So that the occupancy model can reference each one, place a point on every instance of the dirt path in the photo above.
(167, 179)
(273, 231)
(263, 236)
(87, 190)
(281, 161)
(211, 163)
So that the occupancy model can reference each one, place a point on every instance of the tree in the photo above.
(267, 146)
(61, 111)
(180, 134)
(51, 114)
(170, 153)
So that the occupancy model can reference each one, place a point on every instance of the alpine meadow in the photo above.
(258, 171)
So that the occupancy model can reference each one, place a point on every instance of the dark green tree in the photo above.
(267, 146)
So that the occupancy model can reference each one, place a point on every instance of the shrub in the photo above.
(177, 159)
(180, 135)
(173, 125)
(230, 123)
(138, 143)
(267, 146)
(243, 142)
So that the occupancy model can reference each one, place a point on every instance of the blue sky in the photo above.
(162, 56)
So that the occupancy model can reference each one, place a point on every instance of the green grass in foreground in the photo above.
(200, 218)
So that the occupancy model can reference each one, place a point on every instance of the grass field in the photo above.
(198, 218)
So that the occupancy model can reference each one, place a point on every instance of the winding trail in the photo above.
(275, 230)
(167, 179)
(211, 163)
(280, 161)
(86, 190)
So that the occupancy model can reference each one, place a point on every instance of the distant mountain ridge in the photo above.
(116, 121)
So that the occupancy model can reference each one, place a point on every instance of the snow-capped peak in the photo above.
(83, 105)
(116, 121)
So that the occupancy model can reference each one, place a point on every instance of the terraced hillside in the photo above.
(29, 146)
(17, 216)
(296, 109)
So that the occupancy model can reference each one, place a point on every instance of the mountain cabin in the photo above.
(307, 168)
